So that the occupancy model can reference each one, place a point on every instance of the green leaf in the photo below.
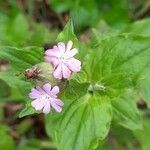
(23, 58)
(28, 110)
(41, 35)
(15, 84)
(4, 88)
(125, 111)
(74, 90)
(108, 8)
(6, 141)
(13, 80)
(18, 34)
(139, 27)
(121, 139)
(87, 13)
(124, 56)
(143, 86)
(68, 34)
(143, 135)
(85, 121)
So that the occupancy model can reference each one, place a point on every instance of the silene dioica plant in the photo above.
(83, 88)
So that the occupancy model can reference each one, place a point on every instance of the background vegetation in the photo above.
(37, 23)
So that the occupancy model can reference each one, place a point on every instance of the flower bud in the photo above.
(41, 73)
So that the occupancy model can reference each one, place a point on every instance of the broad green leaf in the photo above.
(83, 123)
(28, 110)
(29, 33)
(13, 80)
(41, 35)
(121, 57)
(143, 135)
(80, 77)
(74, 90)
(23, 58)
(139, 27)
(4, 88)
(87, 13)
(68, 34)
(15, 84)
(120, 139)
(126, 112)
(6, 142)
(143, 86)
(17, 34)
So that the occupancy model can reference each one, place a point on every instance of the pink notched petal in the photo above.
(58, 72)
(34, 95)
(66, 72)
(57, 102)
(61, 47)
(53, 60)
(37, 104)
(47, 108)
(40, 90)
(51, 53)
(35, 91)
(56, 107)
(73, 64)
(71, 53)
(69, 45)
(55, 90)
(47, 88)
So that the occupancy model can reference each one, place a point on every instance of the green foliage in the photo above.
(113, 66)
(92, 11)
(114, 76)
(68, 34)
(143, 86)
(139, 27)
(88, 116)
(143, 136)
(21, 59)
(6, 141)
(27, 34)
(126, 112)
(12, 80)
(28, 110)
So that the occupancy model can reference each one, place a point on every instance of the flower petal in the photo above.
(71, 53)
(58, 102)
(55, 90)
(69, 45)
(34, 95)
(66, 72)
(35, 91)
(41, 90)
(58, 72)
(47, 108)
(53, 60)
(47, 88)
(51, 53)
(61, 47)
(56, 107)
(37, 104)
(73, 64)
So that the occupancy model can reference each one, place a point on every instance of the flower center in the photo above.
(62, 58)
(45, 97)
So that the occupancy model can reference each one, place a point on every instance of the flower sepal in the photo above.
(41, 73)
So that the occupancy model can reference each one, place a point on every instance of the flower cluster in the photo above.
(45, 97)
(64, 63)
(62, 58)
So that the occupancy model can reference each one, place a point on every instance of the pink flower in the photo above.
(45, 97)
(62, 58)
